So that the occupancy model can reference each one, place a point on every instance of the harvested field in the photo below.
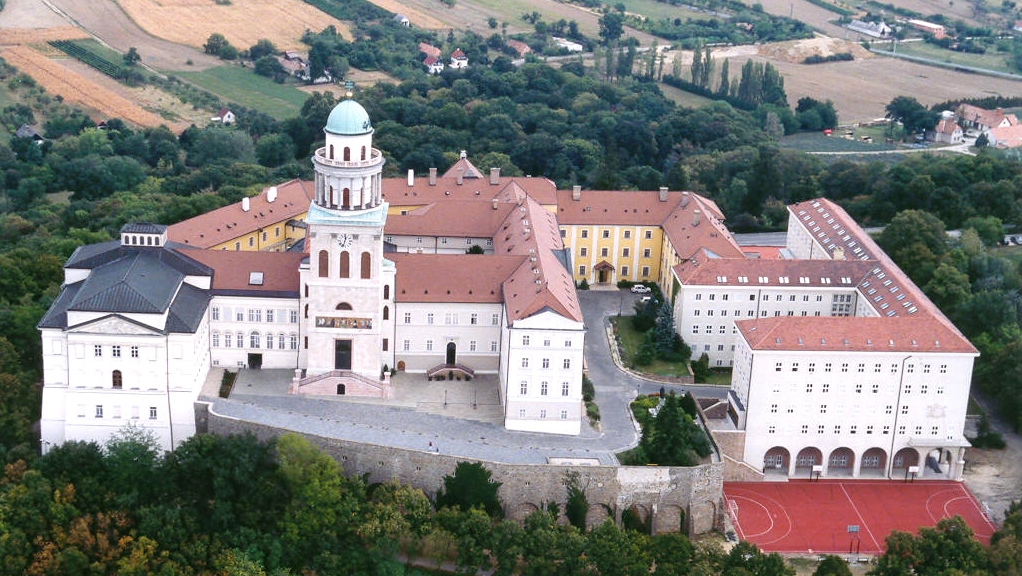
(796, 51)
(242, 22)
(19, 36)
(421, 18)
(76, 89)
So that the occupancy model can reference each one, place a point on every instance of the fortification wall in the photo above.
(670, 498)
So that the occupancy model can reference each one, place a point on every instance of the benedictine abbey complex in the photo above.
(840, 364)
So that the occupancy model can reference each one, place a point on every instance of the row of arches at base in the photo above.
(840, 461)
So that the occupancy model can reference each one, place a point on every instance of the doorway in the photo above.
(342, 354)
(255, 361)
(452, 351)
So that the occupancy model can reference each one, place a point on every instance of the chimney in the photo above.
(839, 253)
(244, 205)
(432, 176)
(684, 199)
(494, 176)
(695, 217)
(494, 203)
(663, 193)
(271, 194)
(411, 177)
(463, 154)
(461, 177)
(576, 193)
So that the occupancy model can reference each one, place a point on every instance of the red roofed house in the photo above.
(433, 65)
(458, 59)
(981, 119)
(224, 116)
(947, 130)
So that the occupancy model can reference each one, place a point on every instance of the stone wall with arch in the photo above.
(662, 492)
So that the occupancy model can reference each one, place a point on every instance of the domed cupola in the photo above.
(348, 168)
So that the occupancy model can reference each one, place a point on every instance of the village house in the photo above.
(458, 59)
(947, 130)
(981, 120)
(224, 116)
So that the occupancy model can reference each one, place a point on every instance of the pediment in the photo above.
(117, 325)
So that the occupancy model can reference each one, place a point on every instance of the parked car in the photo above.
(641, 289)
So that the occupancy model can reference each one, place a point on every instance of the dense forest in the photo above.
(236, 506)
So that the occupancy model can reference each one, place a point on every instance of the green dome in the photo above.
(348, 118)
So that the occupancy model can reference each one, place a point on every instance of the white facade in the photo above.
(429, 334)
(541, 373)
(862, 413)
(253, 332)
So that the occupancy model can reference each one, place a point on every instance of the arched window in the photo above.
(117, 381)
(346, 203)
(367, 265)
(386, 312)
(347, 154)
(331, 151)
(343, 306)
(253, 340)
(363, 153)
(216, 339)
(345, 271)
(228, 339)
(306, 310)
(386, 291)
(324, 264)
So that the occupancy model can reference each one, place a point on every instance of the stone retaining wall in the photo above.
(671, 498)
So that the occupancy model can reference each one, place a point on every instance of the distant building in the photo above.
(458, 59)
(947, 130)
(224, 116)
(872, 29)
(433, 65)
(429, 50)
(402, 20)
(981, 119)
(520, 48)
(27, 131)
(568, 45)
(1006, 137)
(936, 30)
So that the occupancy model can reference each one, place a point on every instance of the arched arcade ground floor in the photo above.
(934, 462)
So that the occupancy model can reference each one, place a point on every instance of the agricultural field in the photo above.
(659, 10)
(235, 83)
(242, 22)
(77, 89)
(992, 60)
(818, 142)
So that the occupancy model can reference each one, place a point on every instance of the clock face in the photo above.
(345, 240)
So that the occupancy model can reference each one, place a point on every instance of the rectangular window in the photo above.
(269, 315)
(99, 410)
(565, 388)
(606, 233)
(583, 252)
(646, 252)
(152, 412)
(525, 340)
(645, 271)
(582, 270)
(269, 341)
(293, 316)
(544, 388)
(624, 270)
(542, 414)
(474, 319)
(523, 388)
(215, 313)
(566, 364)
(429, 345)
(294, 342)
(525, 362)
(134, 351)
(239, 315)
(493, 345)
(649, 234)
(585, 233)
(628, 234)
(495, 319)
(564, 414)
(429, 318)
(215, 340)
(97, 351)
(451, 318)
(115, 351)
(408, 317)
(604, 252)
(406, 345)
(471, 345)
(386, 344)
(546, 362)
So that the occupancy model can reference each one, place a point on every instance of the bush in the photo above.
(583, 285)
(470, 486)
(593, 411)
(625, 283)
(588, 390)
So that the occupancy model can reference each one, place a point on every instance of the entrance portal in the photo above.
(342, 354)
(255, 361)
(452, 350)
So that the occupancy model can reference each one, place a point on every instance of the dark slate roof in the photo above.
(56, 316)
(134, 283)
(143, 228)
(188, 309)
(133, 280)
(93, 256)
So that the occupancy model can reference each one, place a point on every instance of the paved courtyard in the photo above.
(462, 418)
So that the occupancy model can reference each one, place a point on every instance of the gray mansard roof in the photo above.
(133, 280)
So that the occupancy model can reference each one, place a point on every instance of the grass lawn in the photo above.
(684, 98)
(818, 142)
(992, 60)
(659, 10)
(237, 84)
(630, 340)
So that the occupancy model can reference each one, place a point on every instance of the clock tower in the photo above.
(347, 297)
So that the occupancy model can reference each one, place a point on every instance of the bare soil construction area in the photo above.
(242, 22)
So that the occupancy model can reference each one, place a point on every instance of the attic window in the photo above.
(255, 278)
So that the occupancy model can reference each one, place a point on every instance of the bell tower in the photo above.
(347, 286)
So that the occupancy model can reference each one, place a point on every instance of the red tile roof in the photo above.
(629, 208)
(474, 186)
(232, 270)
(451, 218)
(229, 222)
(697, 225)
(452, 277)
(702, 270)
(853, 334)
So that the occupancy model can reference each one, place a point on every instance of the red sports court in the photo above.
(835, 516)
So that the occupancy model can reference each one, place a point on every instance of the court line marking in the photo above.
(754, 497)
(856, 510)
